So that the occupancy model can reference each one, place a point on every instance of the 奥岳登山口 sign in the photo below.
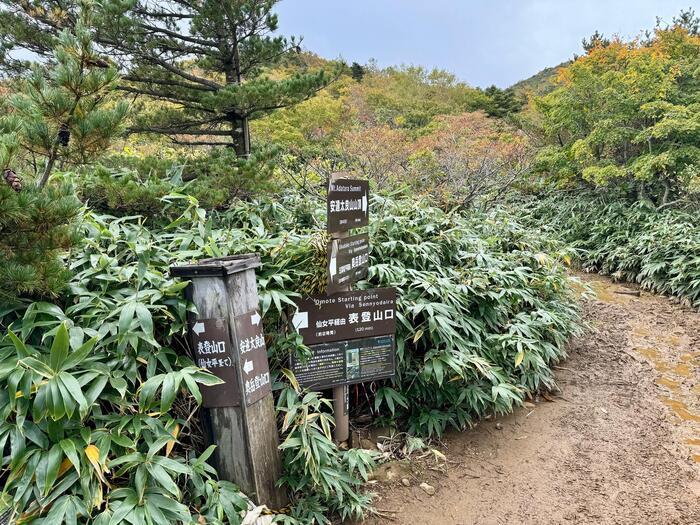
(348, 261)
(347, 204)
(346, 315)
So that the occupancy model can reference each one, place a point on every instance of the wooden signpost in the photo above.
(227, 339)
(350, 333)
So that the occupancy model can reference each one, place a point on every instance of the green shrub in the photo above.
(484, 309)
(97, 395)
(634, 242)
(127, 185)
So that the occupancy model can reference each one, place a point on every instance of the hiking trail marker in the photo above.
(226, 337)
(350, 333)
(347, 204)
(348, 261)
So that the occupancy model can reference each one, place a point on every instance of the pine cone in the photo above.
(12, 179)
(63, 135)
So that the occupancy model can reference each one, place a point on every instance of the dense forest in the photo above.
(140, 135)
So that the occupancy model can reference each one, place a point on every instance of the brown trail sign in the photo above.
(348, 261)
(346, 315)
(252, 352)
(347, 204)
(210, 342)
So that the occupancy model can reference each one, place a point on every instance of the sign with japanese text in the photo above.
(211, 345)
(347, 362)
(347, 204)
(348, 261)
(252, 354)
(346, 315)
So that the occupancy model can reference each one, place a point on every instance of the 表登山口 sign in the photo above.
(211, 345)
(346, 315)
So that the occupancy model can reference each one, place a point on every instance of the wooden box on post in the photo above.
(238, 416)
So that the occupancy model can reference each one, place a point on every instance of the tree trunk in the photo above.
(667, 192)
(240, 133)
(641, 191)
(47, 170)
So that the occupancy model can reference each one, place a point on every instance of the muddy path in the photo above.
(620, 444)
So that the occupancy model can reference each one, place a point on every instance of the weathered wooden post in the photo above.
(227, 338)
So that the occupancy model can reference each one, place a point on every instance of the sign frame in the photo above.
(377, 354)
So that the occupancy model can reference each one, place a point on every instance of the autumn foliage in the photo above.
(626, 115)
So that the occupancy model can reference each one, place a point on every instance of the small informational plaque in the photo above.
(347, 204)
(211, 345)
(347, 362)
(346, 315)
(255, 371)
(348, 261)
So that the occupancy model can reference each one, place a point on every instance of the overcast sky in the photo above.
(483, 42)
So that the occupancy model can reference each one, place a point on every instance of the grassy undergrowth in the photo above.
(635, 242)
(99, 398)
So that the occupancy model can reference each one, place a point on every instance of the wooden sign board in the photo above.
(346, 315)
(211, 345)
(347, 204)
(348, 262)
(347, 362)
(255, 371)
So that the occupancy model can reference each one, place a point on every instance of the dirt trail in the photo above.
(620, 445)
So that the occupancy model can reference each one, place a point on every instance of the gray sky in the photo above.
(483, 42)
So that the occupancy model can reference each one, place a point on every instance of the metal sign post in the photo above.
(227, 339)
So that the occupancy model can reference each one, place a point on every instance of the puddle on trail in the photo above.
(606, 292)
(680, 409)
(670, 351)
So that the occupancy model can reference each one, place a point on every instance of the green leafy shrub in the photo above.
(634, 242)
(98, 395)
(127, 185)
(484, 308)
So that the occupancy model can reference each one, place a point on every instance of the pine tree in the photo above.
(207, 60)
(596, 40)
(357, 72)
(59, 113)
(502, 102)
(62, 112)
(36, 226)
